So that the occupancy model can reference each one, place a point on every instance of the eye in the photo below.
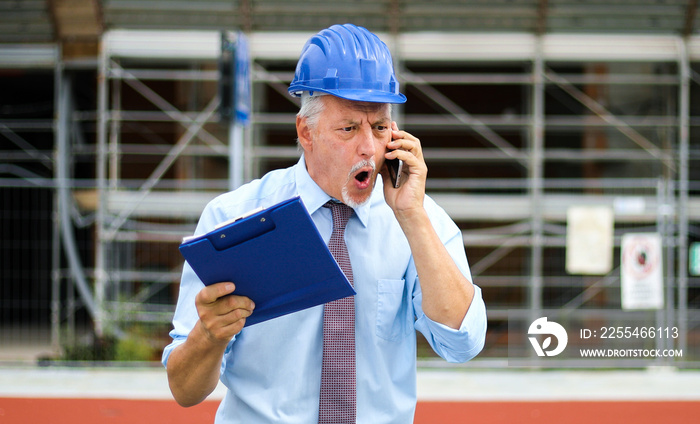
(381, 128)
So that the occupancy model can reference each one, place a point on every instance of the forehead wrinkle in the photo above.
(369, 117)
(365, 107)
(372, 109)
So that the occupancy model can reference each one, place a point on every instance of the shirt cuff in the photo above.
(463, 344)
(177, 341)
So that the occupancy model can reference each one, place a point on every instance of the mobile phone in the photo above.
(395, 166)
(395, 170)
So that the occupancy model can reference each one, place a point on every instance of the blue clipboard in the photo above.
(274, 256)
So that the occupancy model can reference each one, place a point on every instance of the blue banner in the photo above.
(242, 102)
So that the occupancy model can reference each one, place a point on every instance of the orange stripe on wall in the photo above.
(575, 412)
(127, 411)
(98, 411)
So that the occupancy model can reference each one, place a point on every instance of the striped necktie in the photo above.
(338, 399)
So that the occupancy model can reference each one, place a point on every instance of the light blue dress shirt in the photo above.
(273, 369)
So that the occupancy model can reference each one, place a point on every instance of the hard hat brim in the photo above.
(373, 96)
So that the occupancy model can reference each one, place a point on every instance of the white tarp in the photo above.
(589, 239)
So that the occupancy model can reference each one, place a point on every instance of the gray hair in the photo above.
(311, 108)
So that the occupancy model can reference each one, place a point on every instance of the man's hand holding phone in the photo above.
(394, 166)
(405, 172)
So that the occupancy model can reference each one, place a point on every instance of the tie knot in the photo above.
(341, 214)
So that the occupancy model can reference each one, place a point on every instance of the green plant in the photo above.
(134, 347)
(99, 349)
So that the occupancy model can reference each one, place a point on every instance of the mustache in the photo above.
(361, 164)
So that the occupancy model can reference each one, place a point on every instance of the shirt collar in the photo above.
(314, 197)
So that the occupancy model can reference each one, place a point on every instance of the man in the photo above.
(407, 262)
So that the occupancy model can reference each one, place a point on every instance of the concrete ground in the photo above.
(482, 381)
(662, 384)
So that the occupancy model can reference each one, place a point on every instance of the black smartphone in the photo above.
(395, 166)
(395, 170)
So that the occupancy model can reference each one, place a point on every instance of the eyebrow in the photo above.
(351, 122)
(384, 118)
(382, 121)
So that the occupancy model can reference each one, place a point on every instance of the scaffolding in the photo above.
(516, 128)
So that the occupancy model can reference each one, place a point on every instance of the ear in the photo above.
(304, 134)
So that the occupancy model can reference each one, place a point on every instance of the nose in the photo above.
(366, 144)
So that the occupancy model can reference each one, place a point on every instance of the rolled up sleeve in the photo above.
(458, 345)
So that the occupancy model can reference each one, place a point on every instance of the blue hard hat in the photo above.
(349, 62)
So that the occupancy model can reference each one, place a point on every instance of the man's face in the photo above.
(345, 151)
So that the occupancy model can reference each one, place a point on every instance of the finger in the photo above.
(231, 317)
(238, 309)
(409, 157)
(404, 141)
(223, 327)
(219, 317)
(240, 302)
(238, 314)
(210, 294)
(234, 306)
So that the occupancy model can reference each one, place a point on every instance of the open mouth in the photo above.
(363, 176)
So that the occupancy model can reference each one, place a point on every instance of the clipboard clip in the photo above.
(243, 228)
(238, 218)
(221, 225)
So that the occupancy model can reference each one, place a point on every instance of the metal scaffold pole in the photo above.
(535, 175)
(100, 222)
(683, 168)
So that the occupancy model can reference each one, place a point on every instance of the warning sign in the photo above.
(641, 271)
